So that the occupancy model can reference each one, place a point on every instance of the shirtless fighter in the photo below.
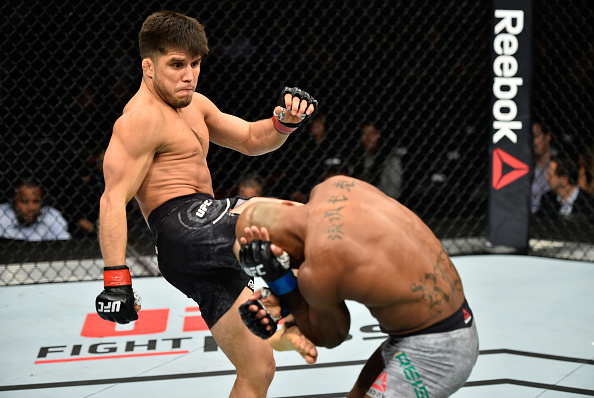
(352, 242)
(157, 154)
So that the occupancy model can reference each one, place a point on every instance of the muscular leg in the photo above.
(251, 356)
(372, 369)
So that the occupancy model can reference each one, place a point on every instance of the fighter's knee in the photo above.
(267, 368)
(260, 370)
(268, 371)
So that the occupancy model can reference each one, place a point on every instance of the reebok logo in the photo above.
(378, 388)
(500, 158)
(505, 66)
(380, 383)
(467, 316)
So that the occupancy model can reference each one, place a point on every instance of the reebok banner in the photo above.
(511, 138)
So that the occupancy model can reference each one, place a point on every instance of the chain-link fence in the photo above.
(404, 103)
(563, 105)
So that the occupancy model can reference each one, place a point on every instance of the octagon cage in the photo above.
(403, 91)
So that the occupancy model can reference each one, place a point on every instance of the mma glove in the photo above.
(116, 302)
(254, 324)
(278, 120)
(256, 259)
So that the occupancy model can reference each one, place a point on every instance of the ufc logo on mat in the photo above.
(108, 307)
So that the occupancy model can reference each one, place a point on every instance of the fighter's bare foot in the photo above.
(291, 339)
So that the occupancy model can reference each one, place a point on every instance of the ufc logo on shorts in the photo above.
(109, 307)
(203, 207)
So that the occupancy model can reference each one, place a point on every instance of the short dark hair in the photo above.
(163, 31)
(543, 126)
(568, 167)
(32, 184)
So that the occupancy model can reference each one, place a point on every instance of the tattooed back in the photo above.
(370, 248)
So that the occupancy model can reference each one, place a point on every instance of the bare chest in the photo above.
(184, 140)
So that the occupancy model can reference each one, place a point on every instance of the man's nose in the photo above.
(188, 75)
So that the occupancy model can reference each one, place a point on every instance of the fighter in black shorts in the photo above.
(194, 237)
(158, 155)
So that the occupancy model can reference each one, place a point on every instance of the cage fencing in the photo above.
(404, 103)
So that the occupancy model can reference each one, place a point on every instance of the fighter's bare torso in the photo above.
(373, 250)
(351, 242)
(179, 165)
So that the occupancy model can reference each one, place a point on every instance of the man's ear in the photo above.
(148, 67)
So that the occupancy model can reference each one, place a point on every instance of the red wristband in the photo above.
(281, 128)
(117, 276)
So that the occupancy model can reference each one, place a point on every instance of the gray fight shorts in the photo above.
(427, 365)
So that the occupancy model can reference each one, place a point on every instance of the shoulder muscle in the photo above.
(135, 140)
(139, 129)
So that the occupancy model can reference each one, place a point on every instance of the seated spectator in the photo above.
(83, 194)
(25, 218)
(565, 198)
(586, 175)
(377, 163)
(249, 187)
(312, 153)
(542, 156)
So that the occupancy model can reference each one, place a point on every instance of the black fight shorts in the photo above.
(194, 236)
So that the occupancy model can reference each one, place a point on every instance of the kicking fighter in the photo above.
(157, 154)
(352, 242)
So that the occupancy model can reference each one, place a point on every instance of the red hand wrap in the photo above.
(117, 276)
(281, 128)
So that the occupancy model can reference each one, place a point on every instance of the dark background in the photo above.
(419, 70)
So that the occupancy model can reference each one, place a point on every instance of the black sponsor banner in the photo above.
(510, 148)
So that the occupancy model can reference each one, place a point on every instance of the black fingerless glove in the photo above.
(256, 259)
(254, 324)
(284, 127)
(116, 302)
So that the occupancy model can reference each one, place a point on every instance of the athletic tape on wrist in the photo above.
(284, 284)
(282, 128)
(137, 298)
(117, 276)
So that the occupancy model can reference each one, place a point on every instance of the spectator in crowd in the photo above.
(377, 163)
(586, 174)
(565, 198)
(85, 193)
(316, 153)
(542, 156)
(25, 217)
(250, 186)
